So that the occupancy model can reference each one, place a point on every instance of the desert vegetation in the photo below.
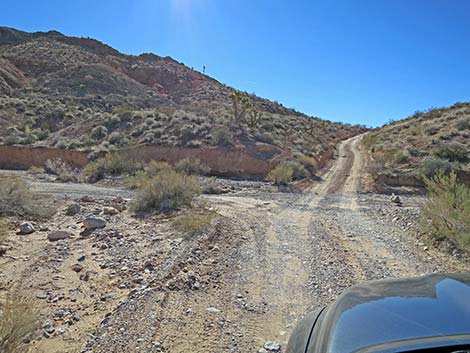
(193, 222)
(446, 213)
(423, 143)
(18, 322)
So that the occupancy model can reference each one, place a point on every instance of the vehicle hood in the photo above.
(384, 311)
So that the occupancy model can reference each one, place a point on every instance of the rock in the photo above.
(213, 310)
(77, 268)
(3, 250)
(25, 228)
(91, 223)
(87, 198)
(58, 235)
(272, 346)
(73, 209)
(81, 258)
(110, 211)
(395, 199)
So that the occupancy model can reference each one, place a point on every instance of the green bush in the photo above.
(431, 165)
(401, 157)
(463, 124)
(155, 167)
(166, 191)
(447, 209)
(99, 132)
(193, 223)
(192, 166)
(281, 175)
(298, 170)
(454, 151)
(222, 137)
(115, 163)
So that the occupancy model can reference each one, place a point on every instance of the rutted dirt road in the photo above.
(277, 257)
(267, 261)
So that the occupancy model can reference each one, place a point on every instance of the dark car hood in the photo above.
(385, 311)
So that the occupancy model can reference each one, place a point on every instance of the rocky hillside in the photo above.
(417, 146)
(80, 94)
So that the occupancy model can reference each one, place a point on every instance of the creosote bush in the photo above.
(166, 191)
(447, 210)
(281, 175)
(18, 322)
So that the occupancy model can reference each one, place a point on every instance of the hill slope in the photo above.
(78, 93)
(416, 146)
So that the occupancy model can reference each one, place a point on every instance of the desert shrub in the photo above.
(155, 167)
(11, 140)
(192, 223)
(432, 130)
(221, 137)
(453, 151)
(192, 166)
(18, 321)
(186, 134)
(298, 170)
(64, 171)
(112, 121)
(401, 157)
(16, 199)
(431, 165)
(265, 138)
(447, 209)
(62, 143)
(281, 175)
(99, 132)
(36, 170)
(309, 163)
(116, 138)
(3, 231)
(115, 163)
(166, 191)
(463, 124)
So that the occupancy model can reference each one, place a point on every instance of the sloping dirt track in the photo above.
(274, 258)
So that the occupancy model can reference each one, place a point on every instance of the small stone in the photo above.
(395, 199)
(73, 209)
(3, 250)
(110, 211)
(77, 268)
(213, 310)
(272, 346)
(25, 228)
(58, 235)
(81, 258)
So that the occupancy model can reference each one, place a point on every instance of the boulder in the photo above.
(91, 223)
(58, 235)
(395, 199)
(26, 228)
(73, 209)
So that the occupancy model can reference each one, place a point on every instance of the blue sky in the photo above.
(357, 61)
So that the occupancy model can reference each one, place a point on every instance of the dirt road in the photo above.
(277, 257)
(269, 259)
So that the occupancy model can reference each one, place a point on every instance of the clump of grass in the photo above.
(298, 170)
(192, 166)
(16, 199)
(18, 322)
(192, 223)
(447, 210)
(281, 175)
(166, 191)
